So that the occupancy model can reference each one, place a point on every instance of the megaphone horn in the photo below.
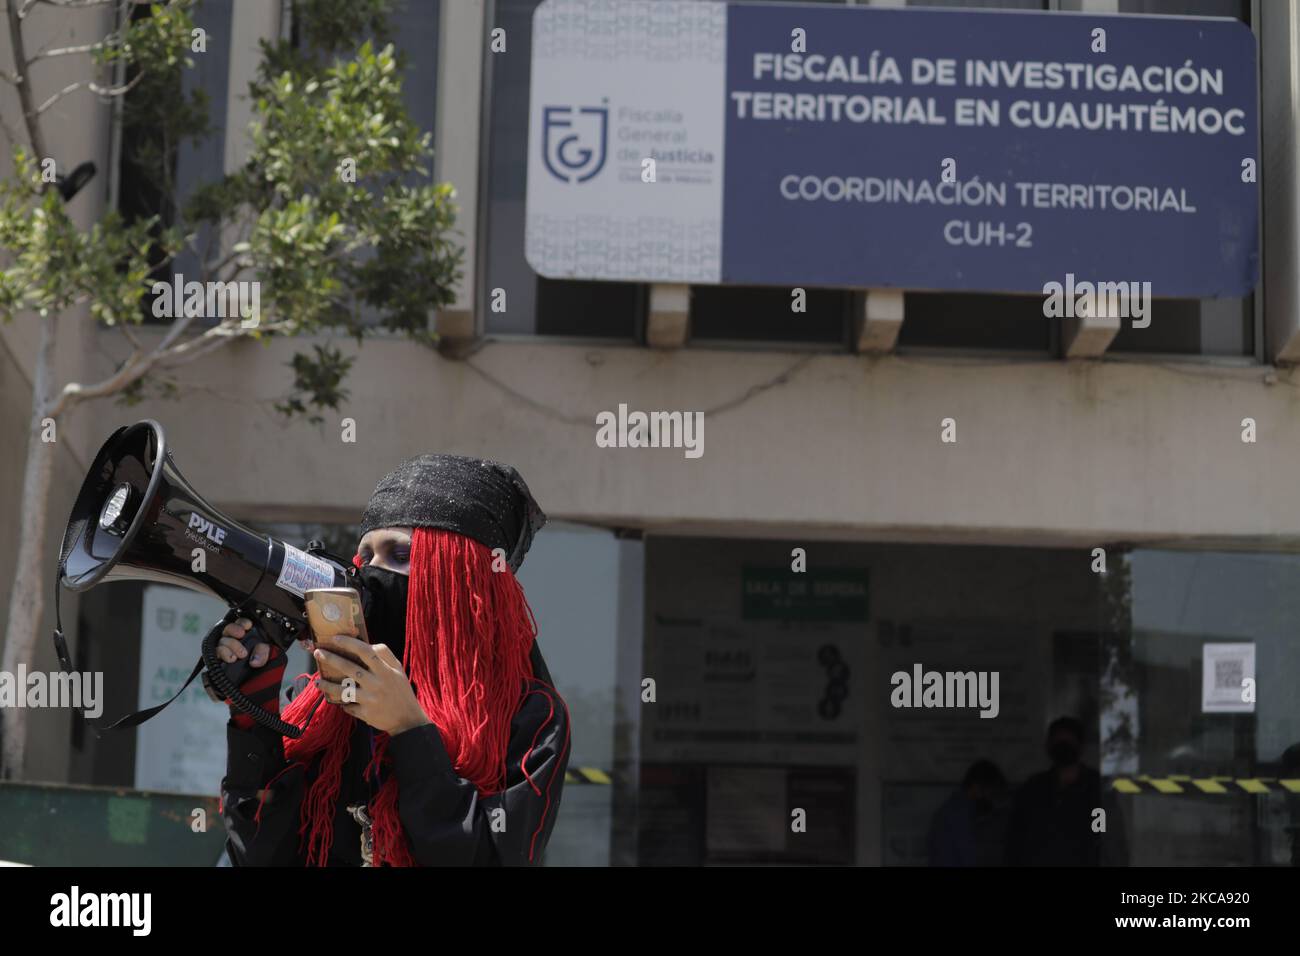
(137, 518)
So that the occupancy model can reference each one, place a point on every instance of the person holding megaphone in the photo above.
(441, 742)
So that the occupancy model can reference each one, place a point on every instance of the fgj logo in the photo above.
(574, 141)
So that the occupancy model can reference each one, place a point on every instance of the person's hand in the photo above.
(229, 648)
(328, 670)
(376, 687)
(262, 685)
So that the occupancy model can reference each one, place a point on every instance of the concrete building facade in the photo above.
(822, 434)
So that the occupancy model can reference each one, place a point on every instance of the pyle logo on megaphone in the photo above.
(214, 533)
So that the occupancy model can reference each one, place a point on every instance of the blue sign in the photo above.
(990, 151)
(854, 147)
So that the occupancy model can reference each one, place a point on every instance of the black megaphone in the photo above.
(137, 518)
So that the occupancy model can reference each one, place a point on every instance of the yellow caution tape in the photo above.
(1183, 783)
(586, 775)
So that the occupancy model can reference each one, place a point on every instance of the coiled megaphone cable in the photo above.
(221, 683)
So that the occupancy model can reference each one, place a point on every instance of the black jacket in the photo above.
(445, 820)
(1052, 825)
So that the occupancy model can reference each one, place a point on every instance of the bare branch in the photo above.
(217, 267)
(175, 332)
(66, 51)
(71, 87)
(94, 87)
(135, 367)
(202, 345)
(125, 326)
(8, 130)
(116, 90)
(65, 4)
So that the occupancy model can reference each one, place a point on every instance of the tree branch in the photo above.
(135, 367)
(93, 87)
(10, 135)
(66, 51)
(68, 4)
(30, 117)
(116, 90)
(201, 345)
(130, 336)
(58, 96)
(175, 332)
(215, 269)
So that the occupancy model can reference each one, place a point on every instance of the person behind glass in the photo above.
(969, 828)
(1054, 819)
(451, 747)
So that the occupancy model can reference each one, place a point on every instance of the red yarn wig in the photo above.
(469, 631)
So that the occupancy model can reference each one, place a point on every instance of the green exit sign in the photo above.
(833, 594)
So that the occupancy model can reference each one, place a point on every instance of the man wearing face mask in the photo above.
(1053, 816)
(452, 745)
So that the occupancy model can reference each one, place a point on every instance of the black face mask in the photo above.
(1064, 754)
(384, 605)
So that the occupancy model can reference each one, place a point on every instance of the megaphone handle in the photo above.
(238, 671)
(221, 682)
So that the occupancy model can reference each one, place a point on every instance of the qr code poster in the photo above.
(1228, 678)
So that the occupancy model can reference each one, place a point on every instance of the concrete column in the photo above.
(1279, 39)
(462, 38)
(249, 23)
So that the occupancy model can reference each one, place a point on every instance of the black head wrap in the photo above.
(483, 500)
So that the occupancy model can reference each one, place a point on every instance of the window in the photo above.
(1191, 628)
(960, 320)
(765, 314)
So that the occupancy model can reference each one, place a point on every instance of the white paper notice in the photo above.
(1228, 678)
(746, 809)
